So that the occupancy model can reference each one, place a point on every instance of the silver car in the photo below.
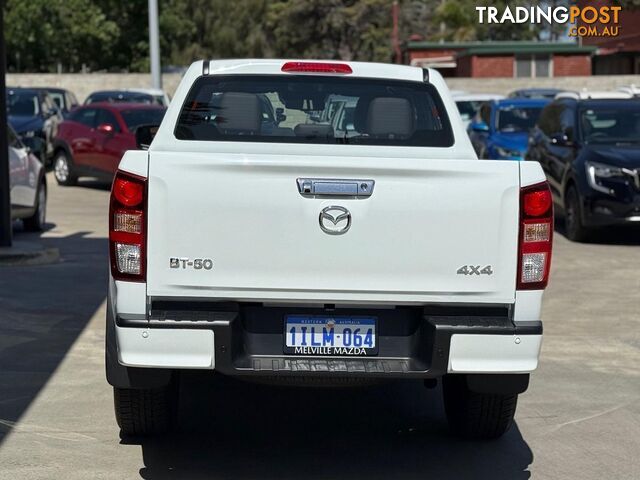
(27, 184)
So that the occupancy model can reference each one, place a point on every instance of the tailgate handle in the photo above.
(335, 188)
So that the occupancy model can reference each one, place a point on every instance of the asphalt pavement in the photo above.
(580, 418)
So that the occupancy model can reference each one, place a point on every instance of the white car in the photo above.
(469, 103)
(585, 94)
(159, 95)
(295, 253)
(630, 89)
(27, 182)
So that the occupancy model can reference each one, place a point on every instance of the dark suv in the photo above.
(590, 152)
(33, 114)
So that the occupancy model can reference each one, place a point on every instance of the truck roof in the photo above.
(274, 66)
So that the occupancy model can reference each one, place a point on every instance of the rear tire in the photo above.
(145, 411)
(63, 169)
(35, 223)
(475, 415)
(573, 226)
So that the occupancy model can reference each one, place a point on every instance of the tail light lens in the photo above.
(536, 237)
(127, 227)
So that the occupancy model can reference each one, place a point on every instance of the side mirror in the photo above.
(106, 128)
(145, 135)
(479, 127)
(34, 145)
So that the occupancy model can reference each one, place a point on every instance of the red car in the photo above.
(93, 138)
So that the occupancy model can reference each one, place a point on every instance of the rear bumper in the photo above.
(412, 343)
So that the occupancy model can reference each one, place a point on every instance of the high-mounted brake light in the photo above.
(536, 237)
(127, 229)
(316, 67)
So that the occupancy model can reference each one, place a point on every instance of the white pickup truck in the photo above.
(319, 223)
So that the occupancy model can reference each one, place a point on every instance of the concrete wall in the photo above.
(83, 84)
(505, 85)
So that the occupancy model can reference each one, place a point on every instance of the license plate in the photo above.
(326, 335)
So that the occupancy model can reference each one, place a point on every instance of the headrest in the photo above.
(390, 116)
(360, 114)
(313, 130)
(239, 113)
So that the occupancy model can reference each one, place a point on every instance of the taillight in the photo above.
(316, 67)
(536, 237)
(127, 227)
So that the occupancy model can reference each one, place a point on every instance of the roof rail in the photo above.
(585, 94)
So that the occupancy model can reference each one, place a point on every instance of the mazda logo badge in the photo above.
(335, 220)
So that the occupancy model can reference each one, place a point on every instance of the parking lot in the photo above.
(579, 419)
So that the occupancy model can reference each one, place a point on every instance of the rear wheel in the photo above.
(476, 415)
(63, 169)
(574, 228)
(145, 411)
(35, 223)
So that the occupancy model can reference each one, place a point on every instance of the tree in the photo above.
(42, 33)
(338, 29)
(461, 22)
(112, 35)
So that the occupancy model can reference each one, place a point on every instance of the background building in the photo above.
(522, 59)
(619, 55)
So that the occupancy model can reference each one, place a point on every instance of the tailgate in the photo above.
(406, 243)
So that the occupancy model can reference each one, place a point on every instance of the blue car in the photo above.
(34, 115)
(549, 93)
(500, 130)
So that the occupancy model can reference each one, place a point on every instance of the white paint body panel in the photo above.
(136, 162)
(130, 297)
(528, 306)
(425, 219)
(531, 173)
(494, 353)
(166, 348)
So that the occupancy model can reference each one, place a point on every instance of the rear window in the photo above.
(114, 97)
(511, 119)
(142, 116)
(314, 109)
(468, 108)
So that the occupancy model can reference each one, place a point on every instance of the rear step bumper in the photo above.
(412, 343)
